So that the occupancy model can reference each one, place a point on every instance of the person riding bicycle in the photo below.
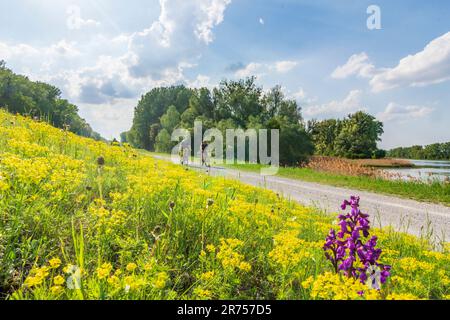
(185, 151)
(204, 146)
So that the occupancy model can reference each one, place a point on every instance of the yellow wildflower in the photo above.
(202, 293)
(114, 281)
(401, 296)
(245, 266)
(56, 289)
(207, 276)
(160, 280)
(55, 263)
(58, 280)
(131, 267)
(104, 270)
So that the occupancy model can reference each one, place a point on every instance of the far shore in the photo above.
(385, 163)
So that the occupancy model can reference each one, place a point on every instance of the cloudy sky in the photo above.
(105, 54)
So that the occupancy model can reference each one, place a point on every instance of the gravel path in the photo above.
(414, 217)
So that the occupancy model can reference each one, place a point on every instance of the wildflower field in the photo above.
(80, 219)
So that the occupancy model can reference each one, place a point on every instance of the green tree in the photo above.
(436, 151)
(324, 135)
(188, 118)
(273, 100)
(40, 100)
(170, 119)
(234, 104)
(295, 144)
(152, 106)
(153, 133)
(238, 100)
(201, 103)
(359, 136)
(123, 137)
(163, 142)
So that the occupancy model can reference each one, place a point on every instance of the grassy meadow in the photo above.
(81, 219)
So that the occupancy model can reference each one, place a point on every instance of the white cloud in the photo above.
(201, 81)
(285, 66)
(252, 69)
(260, 69)
(261, 21)
(158, 55)
(300, 94)
(213, 11)
(114, 71)
(126, 64)
(177, 38)
(59, 49)
(75, 21)
(396, 112)
(35, 61)
(21, 50)
(357, 65)
(63, 48)
(105, 82)
(110, 118)
(351, 103)
(429, 66)
(196, 17)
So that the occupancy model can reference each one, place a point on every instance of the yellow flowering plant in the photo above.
(101, 221)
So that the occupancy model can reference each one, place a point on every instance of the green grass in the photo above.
(432, 192)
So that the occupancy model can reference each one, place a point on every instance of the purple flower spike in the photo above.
(344, 204)
(344, 248)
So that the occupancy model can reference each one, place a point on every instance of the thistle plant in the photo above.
(348, 252)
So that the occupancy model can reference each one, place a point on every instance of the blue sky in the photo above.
(105, 54)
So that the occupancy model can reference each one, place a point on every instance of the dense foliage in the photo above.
(40, 100)
(354, 137)
(436, 151)
(80, 219)
(234, 104)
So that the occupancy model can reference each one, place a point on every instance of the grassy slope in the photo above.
(436, 192)
(137, 228)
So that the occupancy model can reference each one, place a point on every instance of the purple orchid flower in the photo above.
(343, 248)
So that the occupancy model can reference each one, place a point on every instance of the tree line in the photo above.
(435, 151)
(243, 104)
(40, 100)
(233, 104)
(354, 137)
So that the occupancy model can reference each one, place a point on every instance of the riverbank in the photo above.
(385, 163)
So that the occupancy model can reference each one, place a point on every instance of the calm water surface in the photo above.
(425, 170)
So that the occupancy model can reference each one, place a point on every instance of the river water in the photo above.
(425, 170)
